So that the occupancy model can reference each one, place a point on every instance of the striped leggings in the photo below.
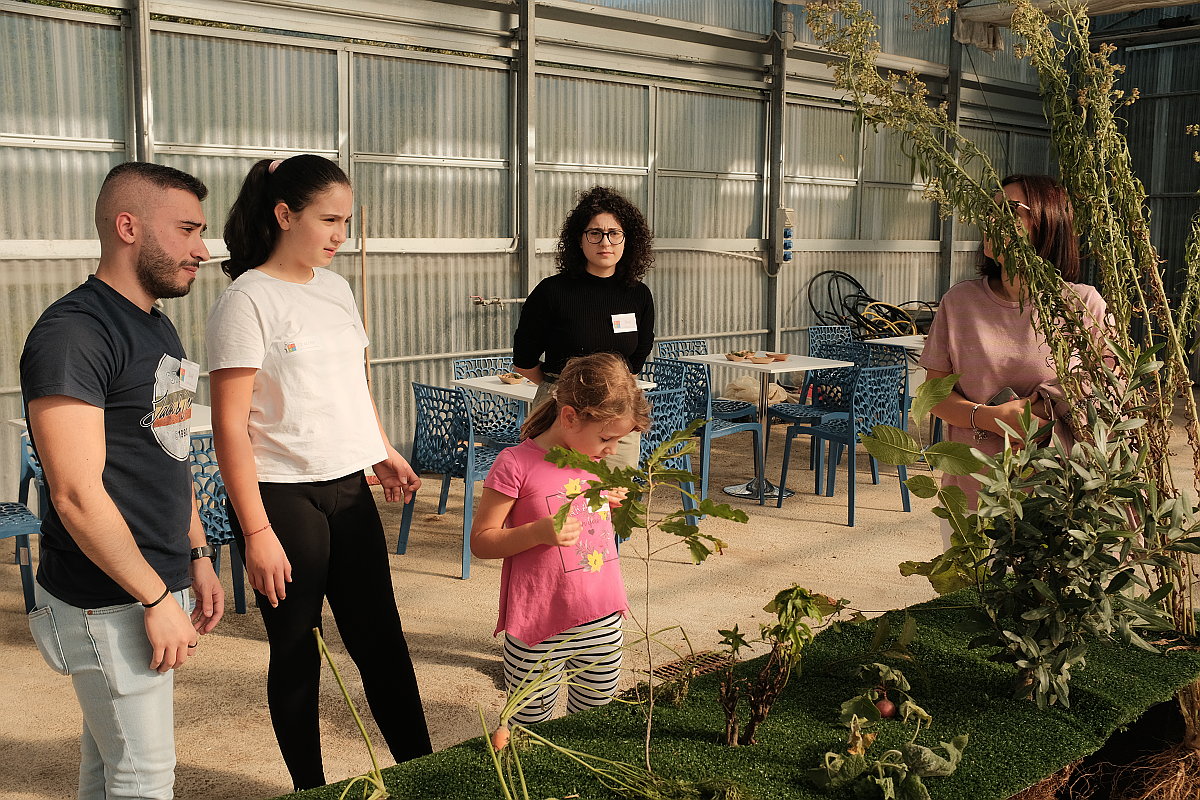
(591, 655)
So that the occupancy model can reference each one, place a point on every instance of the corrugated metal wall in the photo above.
(427, 137)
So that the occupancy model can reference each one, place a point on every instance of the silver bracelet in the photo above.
(980, 435)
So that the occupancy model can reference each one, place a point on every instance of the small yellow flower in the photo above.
(595, 560)
(602, 512)
(573, 486)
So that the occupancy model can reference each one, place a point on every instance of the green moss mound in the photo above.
(1012, 744)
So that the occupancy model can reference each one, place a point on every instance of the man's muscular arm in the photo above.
(71, 447)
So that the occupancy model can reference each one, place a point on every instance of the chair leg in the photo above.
(874, 470)
(783, 471)
(705, 462)
(851, 480)
(405, 522)
(468, 512)
(445, 495)
(903, 472)
(818, 447)
(835, 458)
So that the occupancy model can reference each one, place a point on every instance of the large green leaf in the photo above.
(892, 446)
(922, 486)
(930, 393)
(953, 458)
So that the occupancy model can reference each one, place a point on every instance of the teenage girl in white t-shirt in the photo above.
(294, 427)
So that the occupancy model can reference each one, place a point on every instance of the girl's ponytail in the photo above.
(251, 230)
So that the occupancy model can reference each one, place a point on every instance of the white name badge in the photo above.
(624, 323)
(189, 374)
(292, 347)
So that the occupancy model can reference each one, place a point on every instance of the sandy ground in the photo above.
(225, 745)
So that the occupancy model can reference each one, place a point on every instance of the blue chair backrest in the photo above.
(873, 400)
(668, 413)
(210, 491)
(831, 389)
(492, 413)
(442, 441)
(824, 339)
(682, 347)
(666, 373)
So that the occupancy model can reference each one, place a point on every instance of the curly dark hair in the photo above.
(639, 240)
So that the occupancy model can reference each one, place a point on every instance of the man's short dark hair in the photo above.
(160, 175)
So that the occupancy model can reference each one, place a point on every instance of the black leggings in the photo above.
(333, 538)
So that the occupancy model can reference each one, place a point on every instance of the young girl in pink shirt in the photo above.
(561, 592)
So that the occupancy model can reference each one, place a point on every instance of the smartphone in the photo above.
(1002, 396)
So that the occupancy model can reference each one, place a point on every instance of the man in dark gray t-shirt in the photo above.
(109, 392)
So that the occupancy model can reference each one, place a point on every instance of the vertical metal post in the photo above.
(139, 68)
(526, 155)
(782, 38)
(954, 111)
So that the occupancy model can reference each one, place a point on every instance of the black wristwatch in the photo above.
(207, 551)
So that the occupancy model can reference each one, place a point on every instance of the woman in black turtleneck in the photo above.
(596, 303)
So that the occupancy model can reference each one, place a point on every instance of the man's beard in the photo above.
(157, 271)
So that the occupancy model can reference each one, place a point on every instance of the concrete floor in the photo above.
(225, 745)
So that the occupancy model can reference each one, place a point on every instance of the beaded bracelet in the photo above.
(980, 435)
(166, 592)
(260, 530)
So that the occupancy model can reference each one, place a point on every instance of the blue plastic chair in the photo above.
(824, 340)
(872, 402)
(444, 442)
(668, 414)
(664, 373)
(31, 476)
(698, 405)
(213, 504)
(497, 419)
(19, 523)
(721, 409)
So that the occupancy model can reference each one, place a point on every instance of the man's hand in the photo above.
(268, 566)
(209, 594)
(397, 478)
(170, 633)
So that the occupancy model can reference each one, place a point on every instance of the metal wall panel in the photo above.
(821, 142)
(898, 37)
(822, 212)
(688, 120)
(395, 101)
(743, 15)
(1032, 155)
(591, 122)
(1002, 64)
(896, 213)
(62, 78)
(557, 194)
(884, 159)
(241, 93)
(1143, 18)
(51, 194)
(417, 201)
(698, 292)
(708, 208)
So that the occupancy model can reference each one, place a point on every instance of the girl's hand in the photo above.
(268, 566)
(396, 477)
(617, 496)
(566, 537)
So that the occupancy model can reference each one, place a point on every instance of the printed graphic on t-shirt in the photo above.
(171, 419)
(597, 544)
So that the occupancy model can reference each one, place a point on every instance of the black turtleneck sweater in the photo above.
(572, 315)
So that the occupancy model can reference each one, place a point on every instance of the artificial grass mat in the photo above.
(1012, 743)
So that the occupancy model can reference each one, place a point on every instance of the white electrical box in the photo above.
(785, 230)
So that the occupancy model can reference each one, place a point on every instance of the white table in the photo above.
(915, 343)
(201, 420)
(759, 486)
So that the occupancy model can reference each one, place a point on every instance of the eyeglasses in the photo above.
(596, 236)
(1014, 205)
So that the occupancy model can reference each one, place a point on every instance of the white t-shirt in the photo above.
(311, 417)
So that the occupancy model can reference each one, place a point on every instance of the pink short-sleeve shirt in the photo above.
(546, 590)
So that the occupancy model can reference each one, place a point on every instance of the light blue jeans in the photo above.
(128, 743)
